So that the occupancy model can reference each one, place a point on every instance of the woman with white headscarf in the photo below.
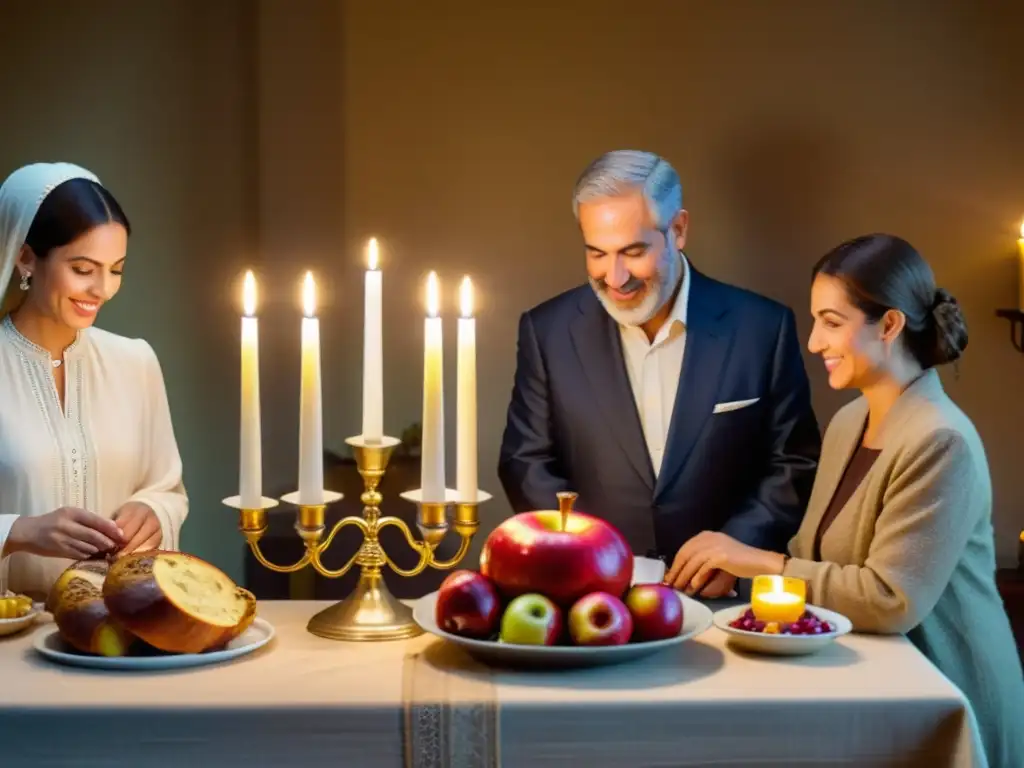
(88, 458)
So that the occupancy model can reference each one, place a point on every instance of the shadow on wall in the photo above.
(783, 186)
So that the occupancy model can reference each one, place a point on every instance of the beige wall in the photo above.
(301, 216)
(150, 97)
(465, 127)
(283, 134)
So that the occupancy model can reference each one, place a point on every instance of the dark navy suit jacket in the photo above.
(573, 423)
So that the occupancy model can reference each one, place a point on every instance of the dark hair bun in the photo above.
(950, 328)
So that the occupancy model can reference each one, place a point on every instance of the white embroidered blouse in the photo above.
(113, 441)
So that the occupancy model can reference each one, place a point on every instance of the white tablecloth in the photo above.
(306, 702)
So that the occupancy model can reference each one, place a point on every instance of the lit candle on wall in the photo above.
(466, 477)
(250, 460)
(432, 479)
(311, 467)
(373, 355)
(1020, 269)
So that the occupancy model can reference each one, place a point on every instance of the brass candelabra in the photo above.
(370, 612)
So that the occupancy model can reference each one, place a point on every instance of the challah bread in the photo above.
(81, 614)
(176, 602)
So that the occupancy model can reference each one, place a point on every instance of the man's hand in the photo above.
(703, 558)
(721, 584)
(139, 527)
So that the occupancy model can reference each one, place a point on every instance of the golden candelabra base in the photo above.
(370, 612)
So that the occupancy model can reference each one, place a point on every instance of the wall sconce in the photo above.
(1016, 316)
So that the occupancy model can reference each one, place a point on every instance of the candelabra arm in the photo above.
(416, 570)
(252, 522)
(420, 547)
(297, 566)
(358, 522)
(327, 572)
(443, 565)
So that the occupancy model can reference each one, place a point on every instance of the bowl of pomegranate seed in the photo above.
(810, 633)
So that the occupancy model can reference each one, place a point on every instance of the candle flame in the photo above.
(466, 297)
(1022, 230)
(249, 294)
(433, 295)
(309, 295)
(779, 597)
(777, 586)
(373, 254)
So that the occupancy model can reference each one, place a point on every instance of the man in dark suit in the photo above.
(670, 402)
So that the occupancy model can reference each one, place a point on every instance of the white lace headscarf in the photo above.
(20, 197)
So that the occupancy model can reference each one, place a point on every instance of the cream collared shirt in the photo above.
(654, 368)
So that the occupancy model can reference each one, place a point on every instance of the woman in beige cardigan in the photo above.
(898, 533)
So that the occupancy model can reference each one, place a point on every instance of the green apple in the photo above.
(531, 619)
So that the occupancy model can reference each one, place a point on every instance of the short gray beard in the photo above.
(669, 274)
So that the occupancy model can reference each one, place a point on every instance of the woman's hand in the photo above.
(710, 551)
(66, 532)
(139, 525)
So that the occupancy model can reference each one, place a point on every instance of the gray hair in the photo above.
(618, 173)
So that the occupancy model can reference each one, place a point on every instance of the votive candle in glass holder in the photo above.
(778, 598)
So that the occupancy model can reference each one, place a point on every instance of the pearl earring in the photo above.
(24, 281)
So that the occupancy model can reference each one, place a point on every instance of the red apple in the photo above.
(656, 610)
(468, 605)
(531, 619)
(600, 619)
(531, 552)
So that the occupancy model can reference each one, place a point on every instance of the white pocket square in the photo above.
(735, 405)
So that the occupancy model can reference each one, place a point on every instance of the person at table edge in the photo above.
(672, 403)
(88, 458)
(898, 536)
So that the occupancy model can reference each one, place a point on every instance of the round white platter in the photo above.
(696, 619)
(49, 644)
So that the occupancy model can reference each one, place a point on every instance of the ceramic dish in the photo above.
(781, 644)
(696, 619)
(20, 624)
(49, 644)
(647, 570)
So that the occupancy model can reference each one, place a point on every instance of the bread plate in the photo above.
(49, 644)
